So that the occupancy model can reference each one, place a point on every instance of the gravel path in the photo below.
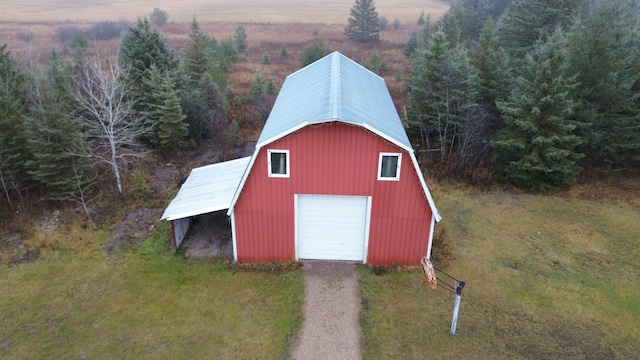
(330, 329)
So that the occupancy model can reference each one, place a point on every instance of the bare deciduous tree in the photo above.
(109, 117)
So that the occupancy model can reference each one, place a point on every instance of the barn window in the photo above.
(389, 166)
(278, 163)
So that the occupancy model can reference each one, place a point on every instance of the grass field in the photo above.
(546, 278)
(262, 11)
(73, 305)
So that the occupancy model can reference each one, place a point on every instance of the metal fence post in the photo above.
(456, 307)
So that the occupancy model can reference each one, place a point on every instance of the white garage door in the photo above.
(332, 227)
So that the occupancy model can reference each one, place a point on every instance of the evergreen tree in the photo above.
(240, 39)
(495, 75)
(153, 96)
(363, 24)
(270, 86)
(527, 21)
(159, 17)
(141, 47)
(14, 139)
(198, 57)
(172, 129)
(314, 52)
(443, 98)
(605, 56)
(412, 44)
(257, 88)
(421, 19)
(202, 101)
(57, 143)
(205, 106)
(284, 52)
(537, 147)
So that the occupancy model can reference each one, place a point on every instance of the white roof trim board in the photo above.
(207, 189)
(335, 88)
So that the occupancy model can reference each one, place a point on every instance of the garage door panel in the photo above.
(332, 227)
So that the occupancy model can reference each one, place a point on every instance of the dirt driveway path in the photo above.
(330, 329)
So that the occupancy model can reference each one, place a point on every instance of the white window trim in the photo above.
(288, 163)
(397, 177)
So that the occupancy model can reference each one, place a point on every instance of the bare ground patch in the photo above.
(208, 236)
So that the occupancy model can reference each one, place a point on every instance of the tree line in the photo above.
(536, 91)
(77, 117)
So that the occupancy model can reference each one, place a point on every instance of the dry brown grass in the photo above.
(277, 11)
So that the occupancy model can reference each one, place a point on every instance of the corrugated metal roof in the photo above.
(207, 189)
(334, 88)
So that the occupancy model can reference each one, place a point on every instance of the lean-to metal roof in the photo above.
(207, 189)
(334, 88)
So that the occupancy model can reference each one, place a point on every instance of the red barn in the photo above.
(333, 175)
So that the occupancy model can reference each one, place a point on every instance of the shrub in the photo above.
(66, 32)
(383, 22)
(266, 60)
(139, 185)
(272, 267)
(25, 35)
(441, 252)
(105, 30)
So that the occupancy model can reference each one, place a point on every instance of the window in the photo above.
(389, 166)
(278, 163)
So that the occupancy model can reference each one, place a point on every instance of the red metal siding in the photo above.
(332, 159)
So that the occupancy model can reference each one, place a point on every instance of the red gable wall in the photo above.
(332, 159)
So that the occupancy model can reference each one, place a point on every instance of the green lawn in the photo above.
(546, 278)
(85, 305)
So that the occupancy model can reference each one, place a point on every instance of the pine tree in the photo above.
(202, 101)
(527, 21)
(205, 106)
(284, 52)
(411, 45)
(257, 89)
(152, 95)
(172, 129)
(606, 58)
(537, 147)
(142, 47)
(495, 75)
(57, 143)
(421, 19)
(270, 86)
(363, 23)
(314, 52)
(443, 98)
(240, 39)
(198, 57)
(14, 138)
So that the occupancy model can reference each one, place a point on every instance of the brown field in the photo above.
(268, 27)
(275, 11)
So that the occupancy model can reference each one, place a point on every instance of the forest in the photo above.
(530, 93)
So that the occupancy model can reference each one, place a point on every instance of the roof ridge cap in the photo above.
(334, 94)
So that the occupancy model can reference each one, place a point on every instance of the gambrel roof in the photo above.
(335, 88)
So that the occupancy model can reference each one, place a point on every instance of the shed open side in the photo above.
(207, 189)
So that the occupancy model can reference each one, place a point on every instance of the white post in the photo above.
(456, 307)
